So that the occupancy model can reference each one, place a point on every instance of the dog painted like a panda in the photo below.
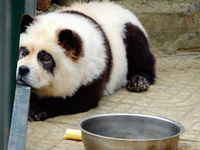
(72, 57)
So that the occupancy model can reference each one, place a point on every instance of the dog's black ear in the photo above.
(25, 22)
(71, 42)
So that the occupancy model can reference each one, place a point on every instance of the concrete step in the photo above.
(161, 6)
(173, 25)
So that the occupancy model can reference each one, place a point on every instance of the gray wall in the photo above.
(173, 25)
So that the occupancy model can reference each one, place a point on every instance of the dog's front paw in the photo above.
(36, 114)
(138, 84)
(38, 117)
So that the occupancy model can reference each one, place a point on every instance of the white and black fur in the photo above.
(72, 57)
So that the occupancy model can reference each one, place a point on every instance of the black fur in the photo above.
(85, 98)
(23, 52)
(71, 39)
(25, 22)
(141, 62)
(46, 61)
(71, 42)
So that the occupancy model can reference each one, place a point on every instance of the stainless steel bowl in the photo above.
(129, 132)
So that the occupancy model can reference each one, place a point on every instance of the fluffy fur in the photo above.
(72, 57)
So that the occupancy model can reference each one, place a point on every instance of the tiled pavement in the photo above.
(175, 95)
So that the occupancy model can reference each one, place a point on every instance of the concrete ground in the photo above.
(175, 95)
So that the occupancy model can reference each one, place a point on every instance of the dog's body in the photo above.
(71, 58)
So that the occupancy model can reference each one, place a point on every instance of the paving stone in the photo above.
(175, 96)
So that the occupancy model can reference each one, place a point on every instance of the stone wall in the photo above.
(173, 25)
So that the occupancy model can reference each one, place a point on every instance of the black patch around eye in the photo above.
(47, 61)
(23, 52)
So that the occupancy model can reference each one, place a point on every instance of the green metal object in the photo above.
(30, 7)
(17, 137)
(5, 109)
(17, 12)
(10, 15)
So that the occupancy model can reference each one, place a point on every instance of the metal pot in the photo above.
(129, 132)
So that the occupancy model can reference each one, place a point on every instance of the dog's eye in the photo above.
(23, 52)
(46, 58)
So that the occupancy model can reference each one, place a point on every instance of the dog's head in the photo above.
(48, 57)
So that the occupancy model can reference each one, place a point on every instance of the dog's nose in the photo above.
(23, 70)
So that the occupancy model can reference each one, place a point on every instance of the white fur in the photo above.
(112, 19)
(69, 75)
